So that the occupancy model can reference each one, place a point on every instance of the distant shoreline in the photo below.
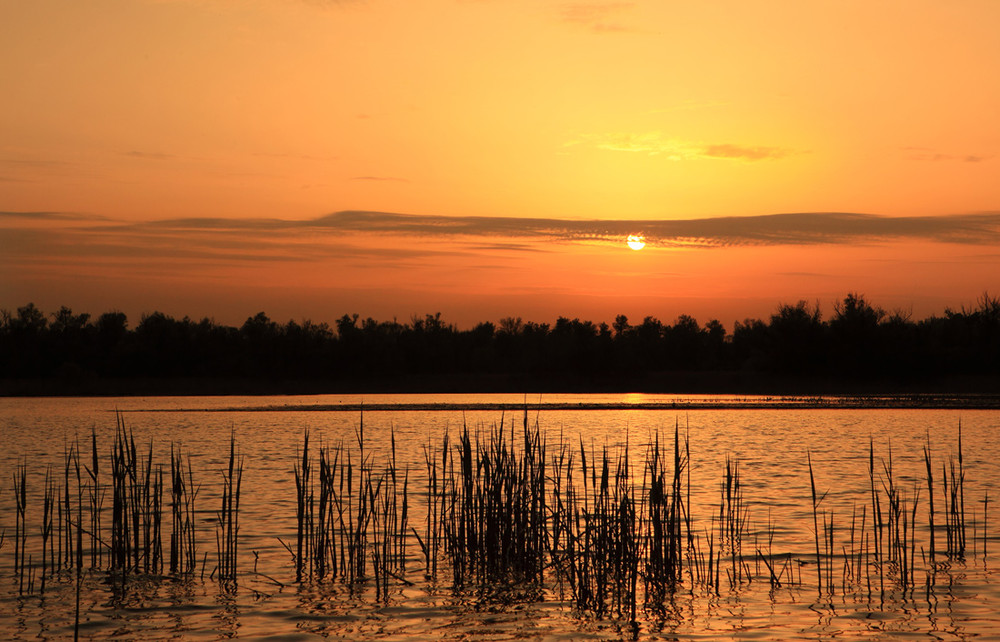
(743, 391)
(921, 402)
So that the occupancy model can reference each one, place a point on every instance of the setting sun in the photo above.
(636, 241)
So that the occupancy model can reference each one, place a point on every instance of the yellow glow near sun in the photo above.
(636, 241)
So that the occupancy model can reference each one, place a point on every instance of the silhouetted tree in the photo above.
(795, 339)
(854, 330)
(860, 342)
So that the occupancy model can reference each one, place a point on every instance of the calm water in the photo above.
(771, 446)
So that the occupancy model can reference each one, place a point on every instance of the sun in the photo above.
(636, 241)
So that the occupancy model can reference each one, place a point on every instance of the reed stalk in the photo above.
(20, 523)
(930, 496)
(815, 511)
(228, 519)
(48, 503)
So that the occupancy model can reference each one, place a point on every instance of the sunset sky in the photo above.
(488, 158)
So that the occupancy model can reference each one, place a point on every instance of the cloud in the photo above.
(36, 163)
(935, 156)
(67, 238)
(393, 239)
(776, 229)
(149, 155)
(379, 178)
(306, 157)
(52, 216)
(30, 169)
(742, 152)
(598, 17)
(655, 144)
(326, 4)
(508, 246)
(186, 245)
(812, 275)
(651, 143)
(690, 105)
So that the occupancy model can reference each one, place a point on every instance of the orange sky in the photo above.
(185, 155)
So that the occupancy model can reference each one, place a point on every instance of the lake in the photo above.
(745, 566)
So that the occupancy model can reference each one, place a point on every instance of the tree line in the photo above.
(859, 342)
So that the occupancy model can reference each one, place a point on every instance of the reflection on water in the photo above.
(957, 600)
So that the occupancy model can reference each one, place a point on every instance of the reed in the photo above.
(768, 558)
(815, 513)
(603, 536)
(49, 500)
(20, 523)
(79, 510)
(877, 522)
(96, 502)
(228, 519)
(354, 521)
(64, 528)
(303, 516)
(954, 499)
(503, 513)
(183, 492)
(515, 513)
(495, 517)
(734, 523)
(434, 509)
(136, 508)
(986, 504)
(326, 543)
(930, 496)
(664, 519)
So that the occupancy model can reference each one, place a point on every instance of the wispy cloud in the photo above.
(648, 142)
(328, 4)
(811, 275)
(149, 155)
(656, 144)
(380, 178)
(775, 229)
(195, 242)
(52, 216)
(306, 157)
(743, 152)
(33, 169)
(928, 154)
(690, 105)
(355, 235)
(598, 17)
(35, 163)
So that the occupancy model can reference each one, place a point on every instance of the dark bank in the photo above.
(860, 350)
